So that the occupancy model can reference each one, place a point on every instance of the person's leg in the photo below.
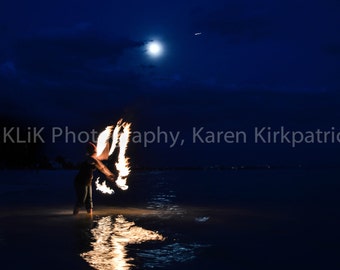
(89, 202)
(81, 192)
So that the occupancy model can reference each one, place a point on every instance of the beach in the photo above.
(174, 219)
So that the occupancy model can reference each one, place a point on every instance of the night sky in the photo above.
(225, 65)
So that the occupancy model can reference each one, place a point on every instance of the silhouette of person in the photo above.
(83, 180)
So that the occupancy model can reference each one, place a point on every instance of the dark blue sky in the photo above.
(84, 64)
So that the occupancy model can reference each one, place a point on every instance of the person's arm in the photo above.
(102, 168)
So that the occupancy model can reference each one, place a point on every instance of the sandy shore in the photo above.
(248, 224)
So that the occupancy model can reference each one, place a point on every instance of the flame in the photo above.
(103, 187)
(110, 240)
(103, 143)
(122, 165)
(121, 136)
(115, 136)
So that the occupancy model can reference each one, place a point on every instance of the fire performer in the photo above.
(83, 180)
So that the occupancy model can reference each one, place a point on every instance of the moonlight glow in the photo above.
(154, 48)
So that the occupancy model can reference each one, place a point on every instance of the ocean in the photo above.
(174, 219)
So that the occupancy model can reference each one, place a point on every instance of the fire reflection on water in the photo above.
(110, 242)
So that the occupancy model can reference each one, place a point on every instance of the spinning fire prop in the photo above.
(120, 135)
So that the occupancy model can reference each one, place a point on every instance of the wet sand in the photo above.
(294, 227)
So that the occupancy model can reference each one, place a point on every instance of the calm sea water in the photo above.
(245, 219)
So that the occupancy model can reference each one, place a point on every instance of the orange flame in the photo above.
(122, 165)
(120, 135)
(115, 136)
(103, 187)
(102, 142)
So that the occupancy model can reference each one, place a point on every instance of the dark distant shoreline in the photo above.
(195, 168)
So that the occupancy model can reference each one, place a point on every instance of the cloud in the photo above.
(66, 75)
(67, 54)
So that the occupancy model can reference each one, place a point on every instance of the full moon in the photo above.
(154, 48)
